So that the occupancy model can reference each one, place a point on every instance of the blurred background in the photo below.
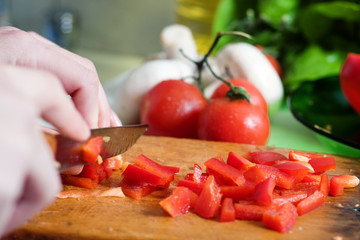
(309, 38)
(114, 34)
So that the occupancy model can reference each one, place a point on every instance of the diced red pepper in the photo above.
(201, 179)
(336, 187)
(260, 172)
(238, 161)
(294, 169)
(209, 200)
(323, 164)
(136, 190)
(142, 175)
(280, 197)
(227, 212)
(302, 156)
(308, 188)
(178, 203)
(113, 163)
(248, 211)
(281, 219)
(237, 193)
(310, 203)
(264, 191)
(154, 167)
(197, 176)
(311, 178)
(324, 184)
(193, 186)
(93, 171)
(78, 181)
(266, 157)
(92, 149)
(230, 174)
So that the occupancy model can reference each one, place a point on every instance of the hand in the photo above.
(28, 176)
(77, 74)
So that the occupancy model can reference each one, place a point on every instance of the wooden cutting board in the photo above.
(126, 218)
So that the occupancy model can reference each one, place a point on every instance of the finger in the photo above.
(41, 185)
(78, 75)
(44, 92)
(115, 120)
(104, 109)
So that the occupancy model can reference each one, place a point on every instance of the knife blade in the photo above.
(116, 140)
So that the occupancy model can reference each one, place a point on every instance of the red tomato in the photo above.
(172, 108)
(350, 80)
(256, 98)
(234, 121)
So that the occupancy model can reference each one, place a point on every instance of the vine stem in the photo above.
(234, 92)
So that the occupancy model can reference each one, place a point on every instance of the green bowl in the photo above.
(321, 106)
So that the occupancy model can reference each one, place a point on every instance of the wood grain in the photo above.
(125, 218)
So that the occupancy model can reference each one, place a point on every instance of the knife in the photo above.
(116, 140)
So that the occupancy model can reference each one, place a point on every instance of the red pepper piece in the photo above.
(209, 199)
(294, 169)
(202, 178)
(324, 184)
(302, 156)
(336, 187)
(227, 212)
(260, 172)
(197, 173)
(230, 174)
(238, 161)
(193, 186)
(113, 163)
(154, 167)
(136, 190)
(178, 203)
(310, 203)
(142, 175)
(264, 191)
(237, 193)
(78, 181)
(311, 178)
(92, 149)
(285, 195)
(266, 158)
(248, 211)
(93, 171)
(281, 219)
(323, 164)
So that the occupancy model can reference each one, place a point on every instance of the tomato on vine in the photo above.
(172, 108)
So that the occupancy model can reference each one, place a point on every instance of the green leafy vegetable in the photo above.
(310, 38)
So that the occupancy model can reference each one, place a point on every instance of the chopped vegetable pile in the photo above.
(260, 186)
